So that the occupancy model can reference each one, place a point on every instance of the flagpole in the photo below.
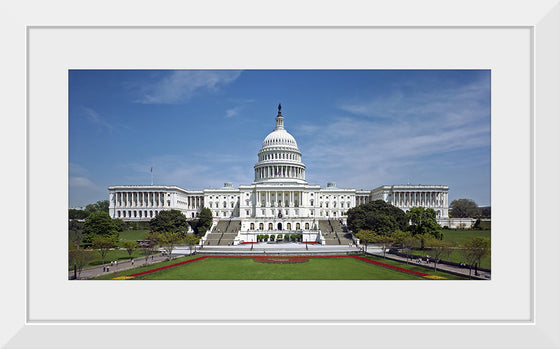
(152, 173)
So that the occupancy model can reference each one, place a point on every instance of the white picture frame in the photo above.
(23, 326)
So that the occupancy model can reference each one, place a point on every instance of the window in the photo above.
(263, 212)
(232, 205)
(297, 226)
(306, 226)
(225, 205)
(252, 226)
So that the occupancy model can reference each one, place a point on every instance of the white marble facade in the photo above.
(278, 199)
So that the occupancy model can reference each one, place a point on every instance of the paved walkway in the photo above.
(96, 271)
(482, 275)
(264, 248)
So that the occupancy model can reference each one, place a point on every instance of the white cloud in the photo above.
(232, 112)
(454, 106)
(180, 86)
(195, 171)
(395, 137)
(95, 118)
(82, 182)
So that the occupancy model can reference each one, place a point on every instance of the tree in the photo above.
(378, 216)
(90, 208)
(77, 214)
(104, 244)
(423, 221)
(168, 240)
(385, 241)
(99, 224)
(204, 222)
(191, 240)
(149, 243)
(474, 249)
(486, 211)
(169, 221)
(79, 258)
(421, 239)
(405, 240)
(366, 237)
(439, 249)
(130, 246)
(102, 206)
(76, 231)
(463, 208)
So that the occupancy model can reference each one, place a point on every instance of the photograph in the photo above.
(283, 174)
(238, 175)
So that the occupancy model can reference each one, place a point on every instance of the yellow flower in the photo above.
(123, 278)
(434, 277)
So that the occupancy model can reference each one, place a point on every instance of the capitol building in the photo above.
(279, 200)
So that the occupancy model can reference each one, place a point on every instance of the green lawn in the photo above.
(132, 235)
(458, 237)
(247, 269)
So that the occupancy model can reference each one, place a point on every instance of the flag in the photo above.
(150, 169)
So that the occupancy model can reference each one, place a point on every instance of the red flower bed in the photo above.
(281, 260)
(391, 266)
(167, 266)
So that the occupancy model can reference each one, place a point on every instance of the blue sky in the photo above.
(358, 128)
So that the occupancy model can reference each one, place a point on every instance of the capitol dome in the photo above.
(280, 137)
(279, 157)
